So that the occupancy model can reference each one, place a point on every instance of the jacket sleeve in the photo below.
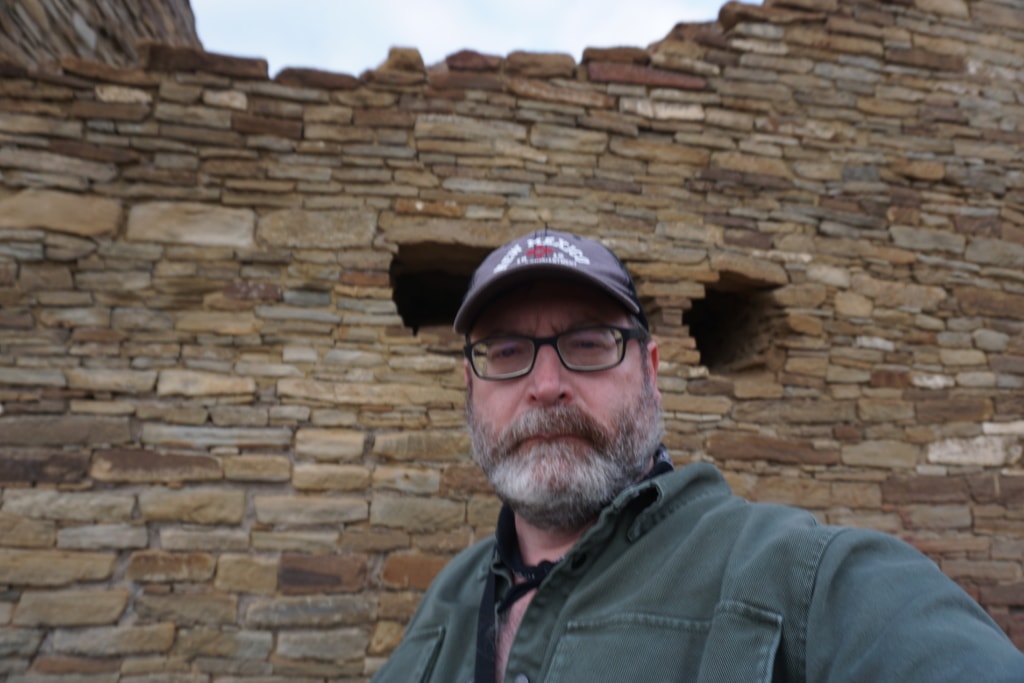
(882, 611)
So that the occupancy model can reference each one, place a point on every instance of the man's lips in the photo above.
(544, 438)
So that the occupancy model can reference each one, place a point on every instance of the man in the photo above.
(608, 565)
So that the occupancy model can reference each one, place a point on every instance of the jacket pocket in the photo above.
(741, 645)
(413, 661)
(737, 645)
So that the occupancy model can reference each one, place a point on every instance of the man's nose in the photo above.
(548, 385)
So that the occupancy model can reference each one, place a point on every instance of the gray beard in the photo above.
(562, 485)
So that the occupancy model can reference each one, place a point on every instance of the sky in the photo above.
(351, 36)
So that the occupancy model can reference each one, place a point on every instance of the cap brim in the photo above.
(474, 305)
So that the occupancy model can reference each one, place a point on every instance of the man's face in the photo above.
(558, 445)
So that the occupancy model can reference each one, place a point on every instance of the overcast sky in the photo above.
(351, 36)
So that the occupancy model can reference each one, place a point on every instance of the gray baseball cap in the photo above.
(548, 254)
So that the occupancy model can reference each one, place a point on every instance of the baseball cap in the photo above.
(548, 253)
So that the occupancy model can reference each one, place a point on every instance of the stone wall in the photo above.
(231, 440)
(42, 32)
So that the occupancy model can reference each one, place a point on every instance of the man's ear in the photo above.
(652, 355)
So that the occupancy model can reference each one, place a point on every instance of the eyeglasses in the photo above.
(588, 349)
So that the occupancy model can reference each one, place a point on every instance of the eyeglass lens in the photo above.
(586, 349)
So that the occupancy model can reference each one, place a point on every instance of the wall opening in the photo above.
(429, 279)
(735, 329)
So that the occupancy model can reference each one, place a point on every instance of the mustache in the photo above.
(557, 420)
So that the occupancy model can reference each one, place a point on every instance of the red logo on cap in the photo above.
(539, 251)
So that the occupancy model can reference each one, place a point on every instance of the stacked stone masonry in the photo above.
(41, 32)
(225, 454)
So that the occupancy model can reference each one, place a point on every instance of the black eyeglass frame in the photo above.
(626, 334)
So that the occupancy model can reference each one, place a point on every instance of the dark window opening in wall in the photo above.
(735, 329)
(429, 279)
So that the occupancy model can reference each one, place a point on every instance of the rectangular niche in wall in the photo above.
(429, 279)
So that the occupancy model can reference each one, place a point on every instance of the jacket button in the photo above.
(521, 678)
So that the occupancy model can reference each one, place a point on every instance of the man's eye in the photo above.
(591, 339)
(505, 349)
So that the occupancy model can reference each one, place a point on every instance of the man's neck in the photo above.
(537, 545)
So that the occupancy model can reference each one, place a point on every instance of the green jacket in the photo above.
(679, 580)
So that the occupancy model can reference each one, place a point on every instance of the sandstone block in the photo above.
(407, 479)
(37, 466)
(257, 468)
(205, 117)
(158, 566)
(323, 645)
(113, 641)
(802, 492)
(17, 531)
(293, 540)
(193, 506)
(899, 294)
(70, 607)
(795, 411)
(187, 608)
(191, 223)
(64, 212)
(161, 57)
(649, 150)
(318, 477)
(54, 567)
(411, 570)
(141, 466)
(32, 377)
(329, 444)
(200, 383)
(754, 271)
(19, 642)
(102, 536)
(369, 394)
(612, 72)
(985, 451)
(853, 305)
(209, 539)
(546, 136)
(318, 574)
(309, 510)
(73, 316)
(317, 229)
(417, 515)
(386, 637)
(310, 611)
(750, 163)
(727, 446)
(966, 409)
(216, 322)
(117, 381)
(205, 641)
(540, 90)
(540, 65)
(58, 164)
(925, 489)
(695, 405)
(16, 124)
(884, 410)
(205, 437)
(439, 445)
(64, 430)
(936, 516)
(75, 506)
(246, 574)
(882, 453)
